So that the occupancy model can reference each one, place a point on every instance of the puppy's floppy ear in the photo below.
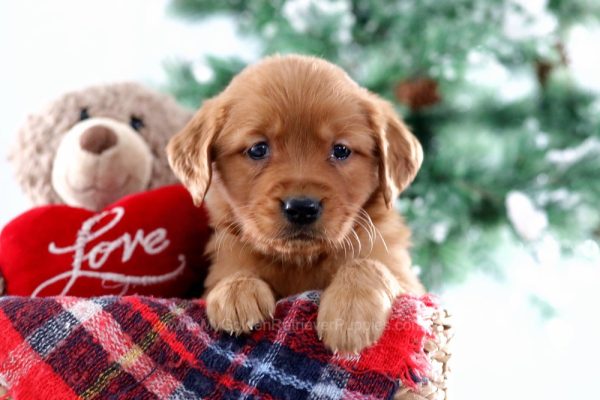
(400, 153)
(189, 151)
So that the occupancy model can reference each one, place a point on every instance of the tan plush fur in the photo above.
(356, 252)
(137, 155)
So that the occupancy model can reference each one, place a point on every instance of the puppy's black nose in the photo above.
(301, 210)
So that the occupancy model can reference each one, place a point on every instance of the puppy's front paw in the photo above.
(350, 320)
(238, 304)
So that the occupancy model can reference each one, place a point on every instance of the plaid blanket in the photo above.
(147, 348)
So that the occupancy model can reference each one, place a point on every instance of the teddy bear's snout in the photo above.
(97, 139)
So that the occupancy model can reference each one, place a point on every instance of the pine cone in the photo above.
(543, 69)
(418, 93)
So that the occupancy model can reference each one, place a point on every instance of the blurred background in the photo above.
(503, 94)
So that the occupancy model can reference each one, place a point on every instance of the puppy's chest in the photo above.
(287, 279)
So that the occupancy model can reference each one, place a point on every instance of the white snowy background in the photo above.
(504, 348)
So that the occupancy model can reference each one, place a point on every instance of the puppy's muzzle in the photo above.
(301, 210)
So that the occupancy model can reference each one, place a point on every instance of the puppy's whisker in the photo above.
(335, 245)
(368, 227)
(378, 232)
(361, 218)
(331, 243)
(339, 245)
(222, 235)
(219, 241)
(368, 233)
(350, 245)
(353, 231)
(367, 218)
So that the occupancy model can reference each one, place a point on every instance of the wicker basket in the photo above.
(439, 352)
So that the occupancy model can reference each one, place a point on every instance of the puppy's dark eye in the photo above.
(340, 152)
(136, 123)
(258, 151)
(83, 114)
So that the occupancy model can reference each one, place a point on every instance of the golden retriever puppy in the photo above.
(299, 167)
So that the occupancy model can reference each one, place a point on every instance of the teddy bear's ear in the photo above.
(189, 151)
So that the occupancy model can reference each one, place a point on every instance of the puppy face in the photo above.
(294, 150)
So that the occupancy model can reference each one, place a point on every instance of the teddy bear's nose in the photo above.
(97, 139)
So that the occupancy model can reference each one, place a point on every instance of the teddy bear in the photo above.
(91, 147)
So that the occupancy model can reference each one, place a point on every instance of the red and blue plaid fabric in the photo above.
(148, 348)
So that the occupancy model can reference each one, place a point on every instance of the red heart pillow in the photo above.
(149, 243)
